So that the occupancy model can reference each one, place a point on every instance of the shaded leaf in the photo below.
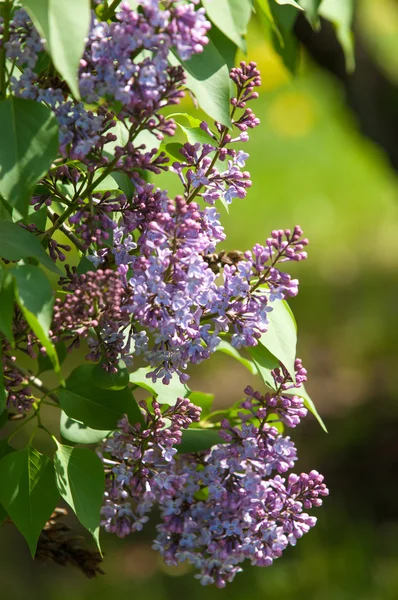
(16, 243)
(196, 440)
(203, 400)
(45, 364)
(224, 45)
(3, 514)
(28, 491)
(7, 304)
(283, 39)
(84, 401)
(80, 480)
(311, 12)
(29, 144)
(78, 433)
(111, 381)
(341, 13)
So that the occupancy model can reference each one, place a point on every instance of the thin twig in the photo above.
(35, 381)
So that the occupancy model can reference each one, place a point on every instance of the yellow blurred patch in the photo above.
(292, 114)
(274, 73)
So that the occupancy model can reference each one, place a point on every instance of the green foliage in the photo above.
(80, 480)
(165, 394)
(196, 440)
(17, 243)
(64, 26)
(84, 401)
(28, 491)
(340, 13)
(231, 17)
(34, 296)
(265, 362)
(29, 144)
(78, 433)
(6, 303)
(208, 79)
(281, 337)
(203, 400)
(111, 381)
(228, 349)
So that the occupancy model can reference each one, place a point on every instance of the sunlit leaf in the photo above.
(64, 26)
(231, 17)
(28, 491)
(29, 144)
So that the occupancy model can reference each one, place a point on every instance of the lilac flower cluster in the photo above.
(141, 86)
(93, 301)
(159, 286)
(137, 472)
(125, 61)
(281, 401)
(219, 507)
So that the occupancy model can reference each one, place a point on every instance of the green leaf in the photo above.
(195, 135)
(283, 39)
(124, 183)
(341, 14)
(108, 183)
(311, 12)
(16, 243)
(227, 348)
(3, 393)
(224, 45)
(78, 433)
(291, 2)
(80, 480)
(111, 381)
(7, 304)
(84, 401)
(265, 362)
(29, 144)
(231, 17)
(165, 394)
(3, 514)
(172, 150)
(45, 364)
(302, 392)
(208, 78)
(196, 440)
(35, 298)
(203, 400)
(84, 266)
(5, 448)
(281, 337)
(3, 418)
(65, 26)
(28, 491)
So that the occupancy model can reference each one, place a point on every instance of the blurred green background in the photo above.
(310, 165)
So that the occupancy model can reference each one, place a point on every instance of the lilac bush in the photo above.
(145, 287)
